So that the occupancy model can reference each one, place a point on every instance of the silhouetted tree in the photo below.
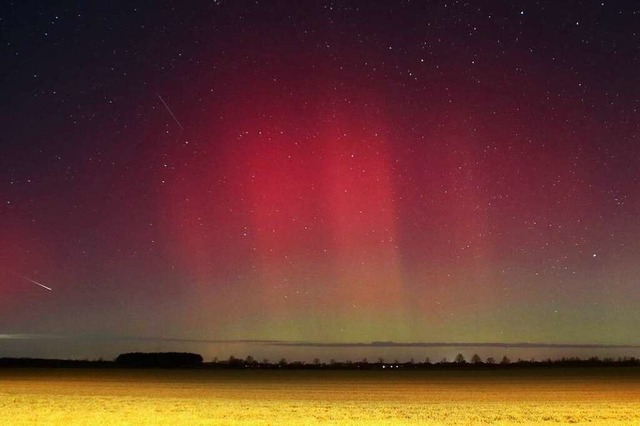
(475, 359)
(505, 360)
(490, 360)
(459, 359)
(234, 362)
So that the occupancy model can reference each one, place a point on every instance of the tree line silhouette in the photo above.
(191, 360)
(459, 362)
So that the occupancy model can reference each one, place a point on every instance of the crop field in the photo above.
(199, 397)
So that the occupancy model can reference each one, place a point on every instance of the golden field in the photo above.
(203, 397)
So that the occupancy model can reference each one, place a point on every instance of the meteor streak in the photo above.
(170, 112)
(32, 281)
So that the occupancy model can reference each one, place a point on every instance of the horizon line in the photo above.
(310, 344)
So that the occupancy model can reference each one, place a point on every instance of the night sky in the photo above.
(318, 172)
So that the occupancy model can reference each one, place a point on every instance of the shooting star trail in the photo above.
(32, 281)
(170, 112)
